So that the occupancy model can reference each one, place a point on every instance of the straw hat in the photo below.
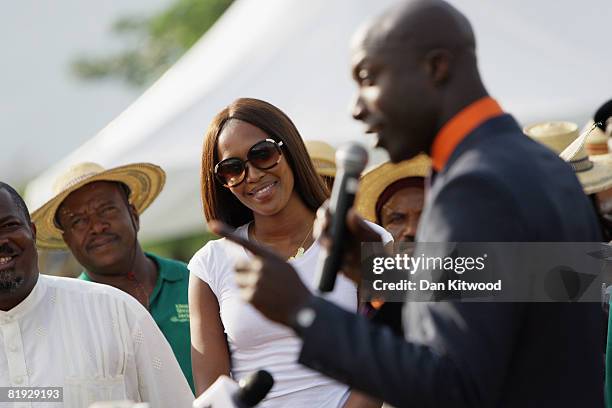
(597, 141)
(323, 156)
(144, 180)
(554, 135)
(563, 139)
(374, 182)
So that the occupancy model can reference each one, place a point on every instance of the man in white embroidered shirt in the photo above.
(93, 340)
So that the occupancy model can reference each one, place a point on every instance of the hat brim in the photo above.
(374, 182)
(144, 180)
(606, 157)
(598, 178)
(327, 172)
(324, 167)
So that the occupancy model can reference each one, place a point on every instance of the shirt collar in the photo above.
(166, 272)
(27, 304)
(459, 126)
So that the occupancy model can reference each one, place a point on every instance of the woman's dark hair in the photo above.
(218, 201)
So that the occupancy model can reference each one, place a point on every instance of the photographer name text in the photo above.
(426, 285)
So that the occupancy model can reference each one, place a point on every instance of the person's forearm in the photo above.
(373, 360)
(207, 370)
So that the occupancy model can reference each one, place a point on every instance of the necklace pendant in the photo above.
(299, 253)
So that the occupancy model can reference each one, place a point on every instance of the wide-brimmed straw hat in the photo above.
(596, 142)
(323, 155)
(563, 138)
(376, 180)
(554, 135)
(144, 180)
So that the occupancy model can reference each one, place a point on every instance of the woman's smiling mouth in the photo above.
(264, 191)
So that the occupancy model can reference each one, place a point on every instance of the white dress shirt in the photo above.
(95, 341)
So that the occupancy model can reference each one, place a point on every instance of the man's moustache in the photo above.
(7, 250)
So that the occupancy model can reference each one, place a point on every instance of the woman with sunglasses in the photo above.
(257, 176)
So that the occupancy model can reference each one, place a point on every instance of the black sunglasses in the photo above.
(262, 155)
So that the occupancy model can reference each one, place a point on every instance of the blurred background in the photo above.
(120, 82)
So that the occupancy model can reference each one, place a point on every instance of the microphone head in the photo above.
(254, 388)
(603, 114)
(351, 158)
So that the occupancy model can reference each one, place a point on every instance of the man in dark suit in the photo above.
(420, 91)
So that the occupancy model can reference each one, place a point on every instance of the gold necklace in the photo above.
(300, 250)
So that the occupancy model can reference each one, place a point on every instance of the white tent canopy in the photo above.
(541, 62)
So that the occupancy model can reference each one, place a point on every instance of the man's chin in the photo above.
(107, 263)
(104, 255)
(9, 282)
(395, 157)
(400, 153)
(395, 145)
(105, 267)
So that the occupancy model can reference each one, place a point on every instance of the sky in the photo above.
(45, 111)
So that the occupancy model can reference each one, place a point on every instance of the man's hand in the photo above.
(358, 231)
(267, 282)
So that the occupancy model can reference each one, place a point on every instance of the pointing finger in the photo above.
(246, 280)
(252, 265)
(226, 231)
(359, 228)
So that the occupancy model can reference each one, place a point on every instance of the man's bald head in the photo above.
(422, 24)
(415, 66)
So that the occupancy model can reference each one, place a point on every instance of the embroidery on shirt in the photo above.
(157, 363)
(139, 337)
(40, 331)
(182, 313)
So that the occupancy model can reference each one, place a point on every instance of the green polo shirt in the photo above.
(170, 310)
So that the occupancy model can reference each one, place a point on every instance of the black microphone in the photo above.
(351, 159)
(226, 393)
(603, 114)
(253, 389)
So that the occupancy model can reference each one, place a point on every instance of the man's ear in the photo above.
(438, 65)
(135, 217)
(33, 229)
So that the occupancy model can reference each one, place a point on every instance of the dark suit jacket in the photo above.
(497, 186)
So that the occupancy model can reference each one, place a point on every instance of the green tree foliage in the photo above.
(154, 43)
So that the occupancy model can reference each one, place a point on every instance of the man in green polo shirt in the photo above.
(95, 213)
